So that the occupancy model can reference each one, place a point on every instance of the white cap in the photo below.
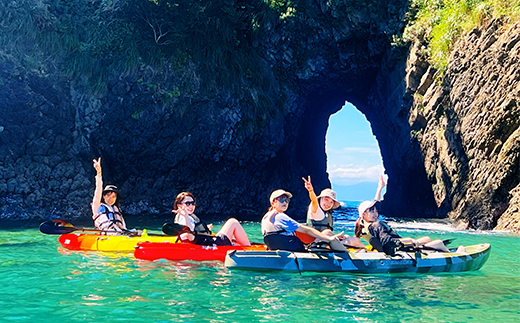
(276, 194)
(365, 206)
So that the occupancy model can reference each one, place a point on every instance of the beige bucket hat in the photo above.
(330, 193)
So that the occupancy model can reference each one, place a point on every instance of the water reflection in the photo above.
(39, 280)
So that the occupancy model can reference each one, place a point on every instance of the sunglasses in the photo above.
(372, 209)
(283, 199)
(189, 203)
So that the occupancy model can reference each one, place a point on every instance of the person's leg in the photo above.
(339, 244)
(354, 242)
(233, 229)
(437, 244)
(336, 245)
(423, 240)
(328, 232)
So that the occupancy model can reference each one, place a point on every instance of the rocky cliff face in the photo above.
(467, 125)
(163, 131)
(160, 132)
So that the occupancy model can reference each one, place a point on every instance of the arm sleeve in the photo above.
(287, 223)
(179, 219)
(96, 200)
(384, 238)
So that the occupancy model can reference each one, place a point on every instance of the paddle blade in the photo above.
(55, 227)
(448, 241)
(173, 229)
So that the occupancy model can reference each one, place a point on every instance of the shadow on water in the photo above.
(14, 225)
(21, 244)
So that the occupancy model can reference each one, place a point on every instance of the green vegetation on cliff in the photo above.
(198, 44)
(435, 25)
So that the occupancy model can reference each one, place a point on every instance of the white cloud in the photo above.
(374, 149)
(362, 150)
(354, 174)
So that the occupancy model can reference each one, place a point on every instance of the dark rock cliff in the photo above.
(162, 131)
(467, 125)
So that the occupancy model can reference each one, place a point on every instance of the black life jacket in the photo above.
(200, 226)
(326, 223)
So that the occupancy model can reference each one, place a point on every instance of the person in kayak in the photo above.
(106, 211)
(279, 229)
(380, 235)
(198, 232)
(319, 213)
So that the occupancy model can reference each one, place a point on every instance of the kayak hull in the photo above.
(109, 243)
(186, 251)
(360, 262)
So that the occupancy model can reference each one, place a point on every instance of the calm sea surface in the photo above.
(41, 282)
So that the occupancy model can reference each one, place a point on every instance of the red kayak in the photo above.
(186, 251)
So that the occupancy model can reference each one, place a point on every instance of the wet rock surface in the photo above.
(449, 145)
(468, 129)
(160, 132)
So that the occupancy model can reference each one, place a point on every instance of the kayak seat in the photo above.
(319, 246)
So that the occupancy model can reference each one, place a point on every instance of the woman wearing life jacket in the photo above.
(380, 235)
(105, 205)
(198, 232)
(319, 213)
(279, 229)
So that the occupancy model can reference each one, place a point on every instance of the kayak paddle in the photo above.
(62, 227)
(174, 229)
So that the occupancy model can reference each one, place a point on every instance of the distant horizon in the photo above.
(357, 192)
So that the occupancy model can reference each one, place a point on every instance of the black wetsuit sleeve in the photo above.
(384, 238)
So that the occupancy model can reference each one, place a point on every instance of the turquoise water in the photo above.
(40, 282)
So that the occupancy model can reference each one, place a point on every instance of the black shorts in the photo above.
(284, 242)
(207, 240)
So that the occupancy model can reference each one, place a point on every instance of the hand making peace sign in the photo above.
(308, 184)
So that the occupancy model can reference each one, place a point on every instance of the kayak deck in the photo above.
(109, 243)
(186, 251)
(361, 262)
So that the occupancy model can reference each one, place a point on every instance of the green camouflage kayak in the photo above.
(361, 262)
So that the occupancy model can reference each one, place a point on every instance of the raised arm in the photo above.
(312, 195)
(380, 186)
(96, 200)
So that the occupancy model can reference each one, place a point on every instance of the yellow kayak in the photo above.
(111, 243)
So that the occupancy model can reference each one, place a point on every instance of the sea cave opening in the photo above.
(353, 155)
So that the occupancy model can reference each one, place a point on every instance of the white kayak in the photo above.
(361, 262)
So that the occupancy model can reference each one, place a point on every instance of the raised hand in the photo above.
(381, 181)
(308, 184)
(380, 186)
(181, 210)
(97, 165)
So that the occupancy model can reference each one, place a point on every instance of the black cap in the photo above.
(110, 188)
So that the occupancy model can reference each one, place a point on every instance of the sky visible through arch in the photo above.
(353, 157)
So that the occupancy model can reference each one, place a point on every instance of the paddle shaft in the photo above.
(118, 232)
(50, 227)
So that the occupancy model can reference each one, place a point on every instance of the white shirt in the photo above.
(185, 220)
